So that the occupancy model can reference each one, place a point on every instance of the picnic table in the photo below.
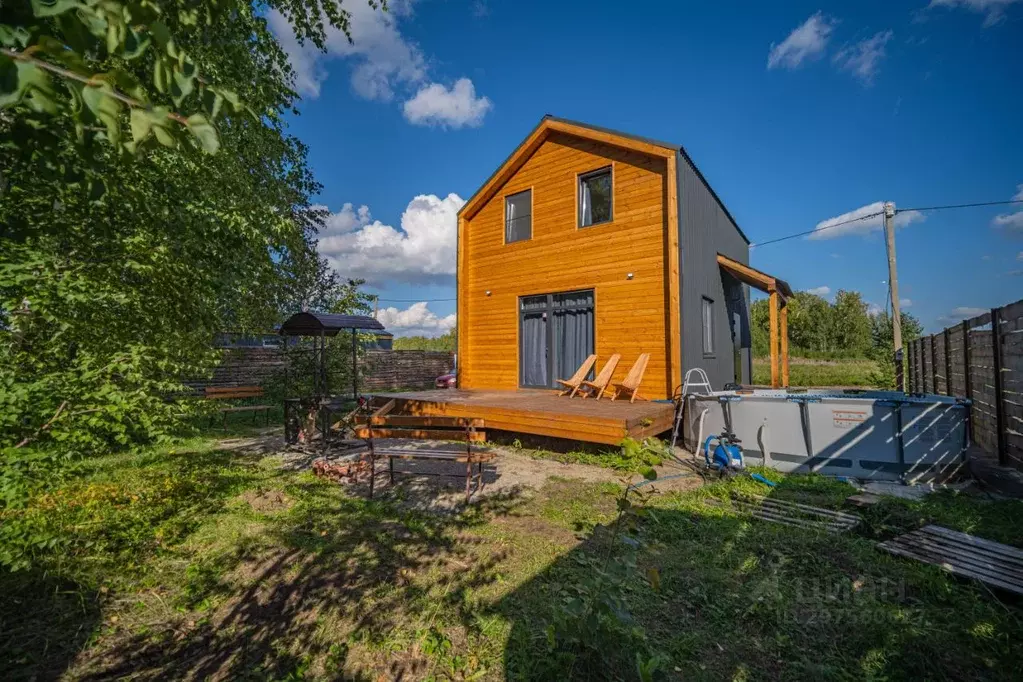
(456, 430)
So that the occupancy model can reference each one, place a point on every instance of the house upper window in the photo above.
(708, 326)
(518, 217)
(595, 203)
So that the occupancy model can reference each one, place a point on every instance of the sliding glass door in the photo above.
(555, 336)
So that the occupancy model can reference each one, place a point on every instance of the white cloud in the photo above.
(862, 59)
(1019, 256)
(458, 106)
(416, 320)
(819, 291)
(382, 57)
(855, 222)
(905, 303)
(1012, 221)
(962, 313)
(384, 64)
(805, 42)
(873, 309)
(993, 10)
(348, 219)
(422, 251)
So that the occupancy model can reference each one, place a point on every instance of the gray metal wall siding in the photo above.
(706, 230)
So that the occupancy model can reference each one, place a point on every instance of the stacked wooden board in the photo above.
(963, 554)
(796, 514)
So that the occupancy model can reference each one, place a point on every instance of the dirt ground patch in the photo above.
(440, 486)
(266, 501)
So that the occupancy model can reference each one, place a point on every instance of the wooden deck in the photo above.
(541, 413)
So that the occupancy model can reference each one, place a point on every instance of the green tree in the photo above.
(445, 342)
(883, 345)
(109, 299)
(850, 331)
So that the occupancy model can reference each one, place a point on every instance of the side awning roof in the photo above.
(328, 324)
(755, 278)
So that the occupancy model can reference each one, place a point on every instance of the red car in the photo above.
(445, 380)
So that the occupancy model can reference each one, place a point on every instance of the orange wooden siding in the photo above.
(631, 315)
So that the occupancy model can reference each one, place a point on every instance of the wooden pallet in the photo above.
(962, 554)
(796, 514)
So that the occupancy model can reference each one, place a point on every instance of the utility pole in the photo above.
(893, 285)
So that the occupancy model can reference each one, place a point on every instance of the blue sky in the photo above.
(796, 113)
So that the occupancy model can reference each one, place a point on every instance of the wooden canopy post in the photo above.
(785, 344)
(780, 293)
(774, 337)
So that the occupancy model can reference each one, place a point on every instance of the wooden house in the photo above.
(587, 240)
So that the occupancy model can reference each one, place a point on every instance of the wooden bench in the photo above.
(238, 393)
(461, 429)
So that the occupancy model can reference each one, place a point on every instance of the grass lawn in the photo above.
(193, 562)
(806, 372)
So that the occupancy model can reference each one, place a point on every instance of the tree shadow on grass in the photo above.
(51, 611)
(744, 598)
(333, 571)
(44, 622)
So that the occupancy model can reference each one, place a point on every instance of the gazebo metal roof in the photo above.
(328, 324)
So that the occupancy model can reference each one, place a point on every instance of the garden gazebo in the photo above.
(322, 325)
(319, 326)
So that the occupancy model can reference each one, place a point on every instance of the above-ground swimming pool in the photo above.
(878, 435)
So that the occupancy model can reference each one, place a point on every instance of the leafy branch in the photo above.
(26, 56)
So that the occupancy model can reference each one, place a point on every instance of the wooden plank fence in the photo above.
(980, 359)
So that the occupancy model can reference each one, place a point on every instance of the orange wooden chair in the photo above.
(573, 383)
(601, 381)
(630, 385)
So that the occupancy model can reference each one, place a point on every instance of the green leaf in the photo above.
(212, 101)
(648, 473)
(141, 125)
(127, 83)
(100, 100)
(160, 76)
(181, 87)
(165, 136)
(161, 34)
(11, 36)
(51, 8)
(22, 82)
(205, 132)
(135, 44)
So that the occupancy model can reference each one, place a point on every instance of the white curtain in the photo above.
(585, 204)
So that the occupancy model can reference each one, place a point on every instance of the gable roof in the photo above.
(549, 124)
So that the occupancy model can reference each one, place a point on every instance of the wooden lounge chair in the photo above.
(601, 381)
(573, 383)
(630, 385)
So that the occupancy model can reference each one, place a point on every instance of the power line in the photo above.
(413, 300)
(816, 229)
(983, 203)
(879, 213)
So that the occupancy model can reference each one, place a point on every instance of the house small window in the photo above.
(518, 217)
(595, 205)
(708, 326)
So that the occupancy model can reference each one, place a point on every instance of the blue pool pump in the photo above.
(728, 453)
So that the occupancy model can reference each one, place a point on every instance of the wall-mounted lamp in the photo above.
(628, 276)
(488, 292)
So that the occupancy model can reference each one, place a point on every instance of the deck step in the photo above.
(426, 421)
